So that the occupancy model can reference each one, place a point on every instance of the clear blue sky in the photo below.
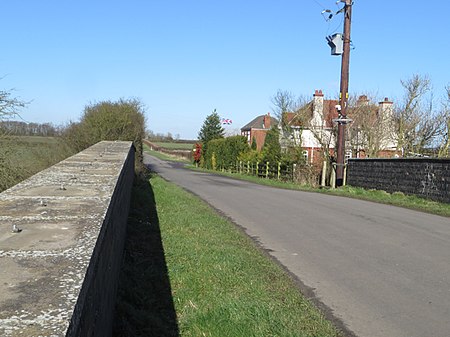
(184, 58)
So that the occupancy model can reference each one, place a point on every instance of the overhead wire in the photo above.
(319, 4)
(330, 30)
(330, 17)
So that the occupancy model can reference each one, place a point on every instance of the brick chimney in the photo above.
(386, 120)
(318, 118)
(318, 93)
(385, 108)
(362, 100)
(266, 122)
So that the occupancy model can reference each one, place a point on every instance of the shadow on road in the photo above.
(144, 304)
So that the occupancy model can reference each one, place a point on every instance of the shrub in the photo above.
(271, 150)
(226, 151)
(121, 120)
(197, 153)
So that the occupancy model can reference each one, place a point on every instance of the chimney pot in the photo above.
(318, 93)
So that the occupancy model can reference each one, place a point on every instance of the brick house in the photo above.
(372, 134)
(258, 128)
(312, 128)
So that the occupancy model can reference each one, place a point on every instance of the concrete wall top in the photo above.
(59, 213)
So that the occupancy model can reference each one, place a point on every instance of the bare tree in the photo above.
(444, 119)
(283, 102)
(290, 111)
(364, 133)
(9, 106)
(428, 129)
(416, 125)
(372, 129)
(304, 122)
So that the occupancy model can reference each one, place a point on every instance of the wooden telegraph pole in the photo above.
(343, 99)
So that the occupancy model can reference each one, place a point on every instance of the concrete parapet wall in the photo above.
(424, 177)
(59, 274)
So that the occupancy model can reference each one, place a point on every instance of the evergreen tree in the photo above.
(211, 128)
(254, 145)
(272, 149)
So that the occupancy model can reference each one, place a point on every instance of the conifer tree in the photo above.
(211, 128)
(272, 149)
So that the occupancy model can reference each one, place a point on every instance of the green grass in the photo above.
(222, 284)
(144, 305)
(163, 156)
(21, 157)
(396, 199)
(189, 272)
(175, 146)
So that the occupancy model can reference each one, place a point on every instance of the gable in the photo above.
(258, 123)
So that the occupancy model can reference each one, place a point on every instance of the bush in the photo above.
(226, 151)
(197, 153)
(271, 150)
(252, 156)
(122, 120)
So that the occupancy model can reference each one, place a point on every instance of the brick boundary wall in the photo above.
(59, 273)
(423, 177)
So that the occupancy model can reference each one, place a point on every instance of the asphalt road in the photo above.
(381, 270)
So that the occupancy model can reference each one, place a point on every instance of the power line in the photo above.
(319, 4)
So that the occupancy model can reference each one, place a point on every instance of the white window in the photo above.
(348, 155)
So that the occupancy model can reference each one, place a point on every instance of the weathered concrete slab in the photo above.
(62, 213)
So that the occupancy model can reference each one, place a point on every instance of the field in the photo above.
(175, 146)
(21, 157)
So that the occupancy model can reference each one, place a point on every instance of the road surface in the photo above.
(380, 270)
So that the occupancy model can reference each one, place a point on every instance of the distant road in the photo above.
(381, 270)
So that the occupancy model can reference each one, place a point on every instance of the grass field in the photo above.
(21, 157)
(190, 272)
(175, 146)
(163, 156)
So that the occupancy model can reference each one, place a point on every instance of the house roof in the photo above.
(258, 123)
(329, 113)
(364, 112)
(290, 119)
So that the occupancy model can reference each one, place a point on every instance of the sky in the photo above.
(184, 58)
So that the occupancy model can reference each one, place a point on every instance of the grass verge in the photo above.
(144, 305)
(220, 283)
(395, 199)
